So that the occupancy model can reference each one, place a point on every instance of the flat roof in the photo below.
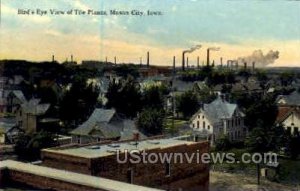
(71, 177)
(97, 151)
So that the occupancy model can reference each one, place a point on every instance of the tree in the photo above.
(28, 147)
(266, 138)
(223, 143)
(187, 103)
(79, 102)
(150, 121)
(261, 111)
(124, 97)
(153, 97)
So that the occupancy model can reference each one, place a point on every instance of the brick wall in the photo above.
(143, 174)
(43, 182)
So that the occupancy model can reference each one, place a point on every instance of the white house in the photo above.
(289, 117)
(220, 118)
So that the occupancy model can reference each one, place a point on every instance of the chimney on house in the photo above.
(136, 136)
(148, 59)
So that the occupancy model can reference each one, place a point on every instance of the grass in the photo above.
(177, 124)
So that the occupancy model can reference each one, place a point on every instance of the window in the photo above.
(198, 124)
(130, 175)
(198, 116)
(208, 127)
(98, 139)
(78, 139)
(167, 169)
(296, 130)
(203, 124)
(202, 116)
(193, 125)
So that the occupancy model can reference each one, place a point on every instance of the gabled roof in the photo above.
(293, 99)
(219, 109)
(182, 86)
(285, 112)
(19, 94)
(6, 124)
(34, 107)
(97, 122)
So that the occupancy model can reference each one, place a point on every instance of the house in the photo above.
(103, 124)
(31, 114)
(292, 99)
(289, 117)
(15, 99)
(220, 118)
(9, 130)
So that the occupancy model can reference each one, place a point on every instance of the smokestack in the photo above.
(174, 66)
(105, 60)
(207, 62)
(141, 63)
(237, 64)
(198, 64)
(213, 63)
(187, 62)
(148, 62)
(183, 61)
(245, 65)
(228, 62)
(253, 66)
(72, 58)
(221, 61)
(53, 58)
(115, 60)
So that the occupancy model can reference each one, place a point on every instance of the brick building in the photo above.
(101, 160)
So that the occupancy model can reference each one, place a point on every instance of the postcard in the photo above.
(141, 95)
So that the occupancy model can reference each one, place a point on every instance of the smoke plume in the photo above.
(192, 49)
(214, 48)
(260, 59)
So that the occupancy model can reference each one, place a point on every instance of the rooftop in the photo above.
(97, 151)
(71, 177)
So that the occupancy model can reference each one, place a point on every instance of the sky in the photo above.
(238, 27)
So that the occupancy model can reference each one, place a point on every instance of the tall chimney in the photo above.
(183, 61)
(53, 58)
(141, 61)
(245, 65)
(198, 64)
(106, 60)
(72, 58)
(213, 63)
(228, 62)
(207, 62)
(187, 62)
(148, 62)
(174, 66)
(253, 66)
(237, 64)
(115, 60)
(221, 61)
